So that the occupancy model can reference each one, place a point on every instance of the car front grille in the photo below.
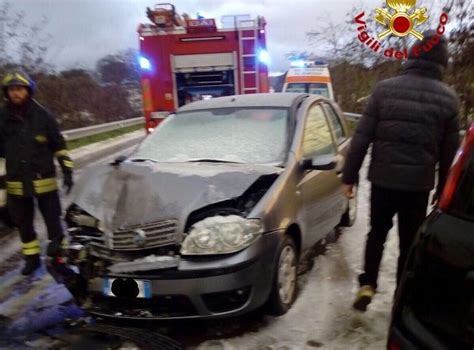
(153, 235)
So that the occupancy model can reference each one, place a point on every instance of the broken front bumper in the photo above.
(200, 287)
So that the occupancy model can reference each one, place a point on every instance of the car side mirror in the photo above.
(119, 160)
(320, 162)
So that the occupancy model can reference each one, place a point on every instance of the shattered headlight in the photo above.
(79, 217)
(221, 235)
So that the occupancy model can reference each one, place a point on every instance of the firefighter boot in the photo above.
(32, 262)
(55, 247)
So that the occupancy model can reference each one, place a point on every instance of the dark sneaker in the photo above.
(32, 263)
(364, 298)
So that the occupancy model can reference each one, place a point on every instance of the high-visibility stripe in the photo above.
(42, 190)
(15, 188)
(44, 182)
(31, 251)
(15, 192)
(62, 153)
(14, 184)
(32, 244)
(68, 163)
(45, 185)
(45, 189)
(22, 79)
(40, 186)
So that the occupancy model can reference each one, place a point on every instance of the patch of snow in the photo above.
(209, 170)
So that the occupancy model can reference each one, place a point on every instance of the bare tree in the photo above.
(120, 68)
(461, 70)
(24, 43)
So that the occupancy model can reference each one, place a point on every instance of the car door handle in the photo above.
(340, 164)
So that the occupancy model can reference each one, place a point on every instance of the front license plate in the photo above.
(126, 287)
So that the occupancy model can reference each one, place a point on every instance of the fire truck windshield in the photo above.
(241, 135)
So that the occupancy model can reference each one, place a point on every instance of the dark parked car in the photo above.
(434, 307)
(210, 214)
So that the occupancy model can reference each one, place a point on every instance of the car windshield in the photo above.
(241, 135)
(312, 88)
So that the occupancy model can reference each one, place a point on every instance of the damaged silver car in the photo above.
(209, 215)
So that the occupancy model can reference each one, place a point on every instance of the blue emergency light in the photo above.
(298, 64)
(145, 63)
(264, 57)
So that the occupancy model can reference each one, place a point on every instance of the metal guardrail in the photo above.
(75, 134)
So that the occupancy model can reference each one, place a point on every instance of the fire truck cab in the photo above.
(183, 60)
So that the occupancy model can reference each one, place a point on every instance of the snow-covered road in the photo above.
(32, 309)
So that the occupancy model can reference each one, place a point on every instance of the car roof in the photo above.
(277, 100)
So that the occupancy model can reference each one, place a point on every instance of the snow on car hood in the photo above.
(139, 193)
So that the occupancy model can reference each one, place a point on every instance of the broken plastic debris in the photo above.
(148, 263)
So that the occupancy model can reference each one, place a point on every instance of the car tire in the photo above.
(350, 215)
(284, 285)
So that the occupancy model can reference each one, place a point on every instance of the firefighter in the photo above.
(29, 141)
(6, 224)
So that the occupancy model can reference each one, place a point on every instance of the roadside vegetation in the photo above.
(355, 69)
(77, 97)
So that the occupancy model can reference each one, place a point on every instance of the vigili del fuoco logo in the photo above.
(400, 19)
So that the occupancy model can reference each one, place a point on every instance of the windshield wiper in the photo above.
(142, 160)
(210, 160)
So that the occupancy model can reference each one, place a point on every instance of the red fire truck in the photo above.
(183, 60)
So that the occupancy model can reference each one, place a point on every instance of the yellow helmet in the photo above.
(17, 78)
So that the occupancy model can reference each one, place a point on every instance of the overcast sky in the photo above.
(86, 30)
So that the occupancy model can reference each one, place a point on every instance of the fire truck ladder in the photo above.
(248, 46)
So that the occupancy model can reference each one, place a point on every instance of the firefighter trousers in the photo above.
(22, 211)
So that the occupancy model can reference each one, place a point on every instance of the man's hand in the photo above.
(68, 182)
(348, 191)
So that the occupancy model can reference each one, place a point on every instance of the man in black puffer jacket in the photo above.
(412, 123)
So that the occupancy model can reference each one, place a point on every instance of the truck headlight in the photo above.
(221, 235)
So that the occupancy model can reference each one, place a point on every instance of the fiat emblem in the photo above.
(139, 238)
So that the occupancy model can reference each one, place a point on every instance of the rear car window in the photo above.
(463, 202)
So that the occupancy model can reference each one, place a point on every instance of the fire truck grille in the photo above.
(146, 236)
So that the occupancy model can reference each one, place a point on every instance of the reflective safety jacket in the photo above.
(29, 141)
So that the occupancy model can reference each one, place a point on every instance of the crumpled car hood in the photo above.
(139, 193)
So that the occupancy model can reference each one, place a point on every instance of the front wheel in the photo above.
(284, 286)
(349, 217)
